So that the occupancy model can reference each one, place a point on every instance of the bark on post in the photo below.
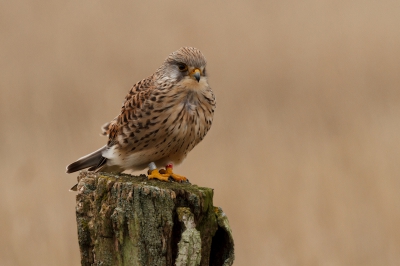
(129, 220)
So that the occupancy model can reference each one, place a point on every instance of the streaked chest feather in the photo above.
(174, 121)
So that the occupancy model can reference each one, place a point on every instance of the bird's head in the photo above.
(186, 66)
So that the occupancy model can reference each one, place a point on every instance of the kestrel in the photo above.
(162, 119)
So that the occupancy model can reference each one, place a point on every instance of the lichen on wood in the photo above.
(130, 220)
(189, 247)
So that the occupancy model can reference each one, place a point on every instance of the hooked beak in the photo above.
(196, 74)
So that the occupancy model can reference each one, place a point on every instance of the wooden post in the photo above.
(130, 220)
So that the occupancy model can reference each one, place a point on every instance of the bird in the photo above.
(163, 117)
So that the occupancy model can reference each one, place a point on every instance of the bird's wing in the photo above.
(106, 127)
(132, 115)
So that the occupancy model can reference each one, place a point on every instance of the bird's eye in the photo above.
(182, 67)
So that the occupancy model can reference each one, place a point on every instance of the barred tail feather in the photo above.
(93, 160)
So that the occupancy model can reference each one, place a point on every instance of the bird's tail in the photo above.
(94, 160)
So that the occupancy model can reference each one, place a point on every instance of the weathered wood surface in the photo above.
(130, 220)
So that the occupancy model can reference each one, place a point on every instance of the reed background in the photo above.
(304, 151)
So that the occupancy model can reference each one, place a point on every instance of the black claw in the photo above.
(170, 179)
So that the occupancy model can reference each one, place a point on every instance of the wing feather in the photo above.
(132, 114)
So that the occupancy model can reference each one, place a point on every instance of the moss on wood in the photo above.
(130, 220)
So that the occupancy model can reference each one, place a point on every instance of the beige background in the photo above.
(304, 152)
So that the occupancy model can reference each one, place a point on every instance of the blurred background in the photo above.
(304, 150)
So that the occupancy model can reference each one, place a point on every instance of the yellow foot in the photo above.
(168, 172)
(156, 174)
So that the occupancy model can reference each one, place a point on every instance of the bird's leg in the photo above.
(154, 173)
(169, 173)
(164, 174)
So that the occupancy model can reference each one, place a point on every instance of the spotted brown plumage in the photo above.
(162, 119)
